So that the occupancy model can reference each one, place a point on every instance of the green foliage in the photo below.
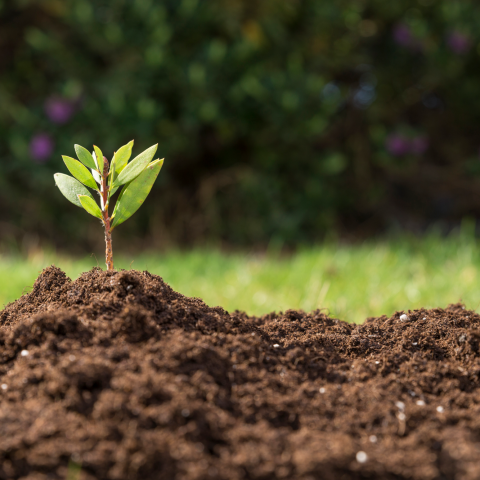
(71, 188)
(80, 172)
(283, 120)
(90, 206)
(139, 173)
(121, 158)
(135, 192)
(85, 157)
(135, 167)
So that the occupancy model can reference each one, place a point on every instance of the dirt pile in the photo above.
(122, 376)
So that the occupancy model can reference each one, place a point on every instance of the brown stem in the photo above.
(106, 217)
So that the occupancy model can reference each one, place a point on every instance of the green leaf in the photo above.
(119, 197)
(113, 190)
(135, 167)
(134, 194)
(71, 188)
(85, 156)
(99, 159)
(119, 162)
(80, 172)
(90, 205)
(121, 157)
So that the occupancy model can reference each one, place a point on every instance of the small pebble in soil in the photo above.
(400, 405)
(361, 457)
(276, 345)
(404, 318)
(4, 386)
(440, 409)
(72, 358)
(420, 402)
(377, 362)
(415, 343)
(24, 353)
(185, 412)
(401, 416)
(322, 390)
(373, 438)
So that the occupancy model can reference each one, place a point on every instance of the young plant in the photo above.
(137, 178)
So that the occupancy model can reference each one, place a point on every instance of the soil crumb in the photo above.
(116, 376)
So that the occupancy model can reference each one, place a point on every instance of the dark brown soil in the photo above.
(121, 375)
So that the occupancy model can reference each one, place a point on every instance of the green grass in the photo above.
(352, 282)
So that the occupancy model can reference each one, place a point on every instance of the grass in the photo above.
(351, 282)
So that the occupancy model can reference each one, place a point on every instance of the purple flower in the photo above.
(402, 35)
(397, 145)
(41, 147)
(59, 110)
(418, 145)
(458, 43)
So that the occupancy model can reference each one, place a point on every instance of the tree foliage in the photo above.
(281, 119)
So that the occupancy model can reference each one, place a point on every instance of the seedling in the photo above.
(137, 178)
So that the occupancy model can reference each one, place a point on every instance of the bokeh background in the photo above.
(283, 123)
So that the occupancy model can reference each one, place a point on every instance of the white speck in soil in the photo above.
(414, 343)
(377, 362)
(400, 405)
(276, 345)
(4, 386)
(72, 358)
(76, 457)
(361, 457)
(420, 403)
(401, 416)
(24, 353)
(439, 409)
(322, 390)
(373, 438)
(424, 318)
(404, 318)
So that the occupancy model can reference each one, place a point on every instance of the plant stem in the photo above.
(106, 217)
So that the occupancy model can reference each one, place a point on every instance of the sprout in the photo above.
(137, 178)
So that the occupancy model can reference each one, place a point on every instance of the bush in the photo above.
(277, 119)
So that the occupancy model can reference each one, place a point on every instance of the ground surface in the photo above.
(118, 373)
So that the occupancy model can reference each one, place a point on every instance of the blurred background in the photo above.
(285, 125)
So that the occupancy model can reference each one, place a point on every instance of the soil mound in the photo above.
(117, 376)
